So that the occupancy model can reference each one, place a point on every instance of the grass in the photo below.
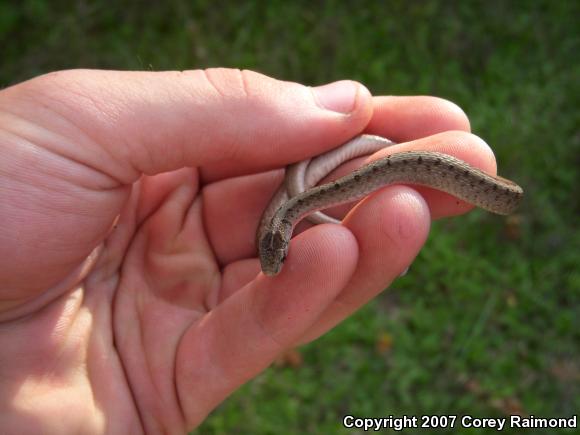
(486, 322)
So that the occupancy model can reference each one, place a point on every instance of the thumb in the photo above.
(152, 122)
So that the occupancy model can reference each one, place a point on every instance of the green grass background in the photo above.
(483, 324)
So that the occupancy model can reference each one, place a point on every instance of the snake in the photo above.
(299, 197)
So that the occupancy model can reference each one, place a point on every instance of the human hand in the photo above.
(130, 295)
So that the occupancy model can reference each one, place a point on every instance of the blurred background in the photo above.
(486, 322)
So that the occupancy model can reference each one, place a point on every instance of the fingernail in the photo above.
(338, 96)
(404, 272)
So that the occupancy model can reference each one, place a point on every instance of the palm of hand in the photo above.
(135, 301)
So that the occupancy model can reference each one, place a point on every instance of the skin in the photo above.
(131, 299)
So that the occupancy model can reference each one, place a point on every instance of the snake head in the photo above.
(272, 252)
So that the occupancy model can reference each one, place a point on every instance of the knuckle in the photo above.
(226, 82)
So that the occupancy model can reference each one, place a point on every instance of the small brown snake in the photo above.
(297, 198)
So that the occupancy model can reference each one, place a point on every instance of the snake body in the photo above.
(297, 198)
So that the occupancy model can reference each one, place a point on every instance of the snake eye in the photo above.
(266, 242)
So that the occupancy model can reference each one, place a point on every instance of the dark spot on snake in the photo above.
(375, 169)
(451, 168)
(388, 162)
(405, 162)
(428, 167)
(286, 222)
(357, 177)
(437, 161)
(481, 181)
(456, 176)
(420, 160)
(494, 187)
(466, 173)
